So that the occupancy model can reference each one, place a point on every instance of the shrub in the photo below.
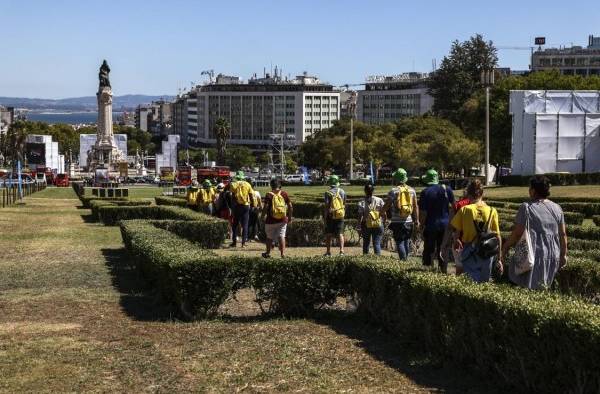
(504, 331)
(111, 214)
(581, 277)
(209, 233)
(559, 179)
(311, 232)
(96, 204)
(596, 219)
(86, 200)
(164, 200)
(314, 210)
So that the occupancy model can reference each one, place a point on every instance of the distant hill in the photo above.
(88, 103)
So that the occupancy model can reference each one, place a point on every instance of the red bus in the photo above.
(61, 180)
(184, 175)
(221, 172)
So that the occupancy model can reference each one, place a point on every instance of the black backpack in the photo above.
(487, 243)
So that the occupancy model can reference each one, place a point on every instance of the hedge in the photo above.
(596, 219)
(111, 214)
(560, 179)
(96, 204)
(533, 341)
(86, 200)
(209, 233)
(313, 210)
(311, 232)
(165, 200)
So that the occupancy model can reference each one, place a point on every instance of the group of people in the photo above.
(466, 231)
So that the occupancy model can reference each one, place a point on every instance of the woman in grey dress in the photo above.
(547, 233)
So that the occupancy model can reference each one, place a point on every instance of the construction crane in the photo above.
(210, 73)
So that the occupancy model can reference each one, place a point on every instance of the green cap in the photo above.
(206, 183)
(240, 176)
(333, 180)
(400, 175)
(431, 177)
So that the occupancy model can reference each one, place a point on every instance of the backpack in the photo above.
(486, 244)
(404, 202)
(337, 211)
(206, 196)
(278, 206)
(241, 193)
(192, 196)
(372, 219)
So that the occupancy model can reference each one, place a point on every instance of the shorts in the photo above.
(275, 231)
(334, 227)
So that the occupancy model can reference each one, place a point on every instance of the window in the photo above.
(307, 114)
(333, 113)
(307, 105)
(323, 113)
(324, 121)
(289, 113)
(307, 122)
(316, 121)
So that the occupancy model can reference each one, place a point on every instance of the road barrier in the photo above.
(10, 193)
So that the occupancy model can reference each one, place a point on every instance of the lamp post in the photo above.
(352, 109)
(487, 80)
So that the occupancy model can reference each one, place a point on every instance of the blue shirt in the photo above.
(435, 200)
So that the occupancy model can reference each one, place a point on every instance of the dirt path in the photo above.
(73, 319)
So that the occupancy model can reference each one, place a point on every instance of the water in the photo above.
(68, 118)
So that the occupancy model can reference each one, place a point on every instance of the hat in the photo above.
(333, 180)
(220, 186)
(206, 183)
(240, 176)
(431, 177)
(400, 175)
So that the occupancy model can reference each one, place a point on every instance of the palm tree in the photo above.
(222, 133)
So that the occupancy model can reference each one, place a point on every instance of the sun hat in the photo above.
(206, 183)
(400, 175)
(431, 177)
(333, 180)
(240, 176)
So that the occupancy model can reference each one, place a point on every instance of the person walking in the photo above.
(457, 246)
(402, 202)
(277, 209)
(475, 226)
(334, 212)
(435, 206)
(191, 196)
(541, 224)
(243, 196)
(206, 198)
(370, 220)
(255, 210)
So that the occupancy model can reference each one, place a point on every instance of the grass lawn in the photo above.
(74, 318)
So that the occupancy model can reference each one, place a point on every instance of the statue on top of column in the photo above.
(103, 75)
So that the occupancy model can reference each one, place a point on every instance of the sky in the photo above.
(53, 48)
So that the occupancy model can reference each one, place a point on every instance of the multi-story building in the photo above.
(575, 60)
(179, 118)
(7, 117)
(155, 118)
(258, 109)
(390, 98)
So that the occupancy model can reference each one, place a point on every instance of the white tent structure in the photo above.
(555, 131)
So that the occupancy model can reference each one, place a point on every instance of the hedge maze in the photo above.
(536, 341)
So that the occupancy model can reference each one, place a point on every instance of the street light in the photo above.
(487, 80)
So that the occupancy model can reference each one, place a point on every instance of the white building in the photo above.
(390, 98)
(555, 131)
(260, 108)
(40, 150)
(86, 141)
(168, 155)
(7, 116)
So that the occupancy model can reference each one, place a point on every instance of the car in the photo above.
(296, 178)
(13, 179)
(61, 180)
(40, 177)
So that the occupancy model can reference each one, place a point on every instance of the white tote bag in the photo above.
(524, 257)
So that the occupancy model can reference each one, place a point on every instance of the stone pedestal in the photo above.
(105, 152)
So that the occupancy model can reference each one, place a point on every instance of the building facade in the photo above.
(390, 98)
(257, 110)
(575, 60)
(7, 117)
(155, 118)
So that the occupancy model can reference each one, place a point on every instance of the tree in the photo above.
(222, 133)
(12, 143)
(239, 156)
(459, 75)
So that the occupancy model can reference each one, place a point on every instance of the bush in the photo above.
(96, 204)
(559, 179)
(314, 210)
(311, 232)
(516, 335)
(209, 233)
(111, 214)
(596, 219)
(164, 200)
(580, 277)
(86, 200)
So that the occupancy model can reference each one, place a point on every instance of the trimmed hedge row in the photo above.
(87, 200)
(313, 210)
(582, 210)
(560, 179)
(534, 341)
(209, 233)
(311, 232)
(96, 204)
(596, 219)
(558, 200)
(165, 200)
(111, 214)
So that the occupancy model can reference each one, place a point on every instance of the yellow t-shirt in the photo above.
(241, 192)
(464, 220)
(206, 196)
(192, 196)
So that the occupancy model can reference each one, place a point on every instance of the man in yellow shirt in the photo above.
(470, 223)
(206, 198)
(243, 197)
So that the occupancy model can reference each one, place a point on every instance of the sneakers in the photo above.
(265, 255)
(327, 254)
(341, 253)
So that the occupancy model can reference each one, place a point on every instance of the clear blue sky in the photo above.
(53, 48)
